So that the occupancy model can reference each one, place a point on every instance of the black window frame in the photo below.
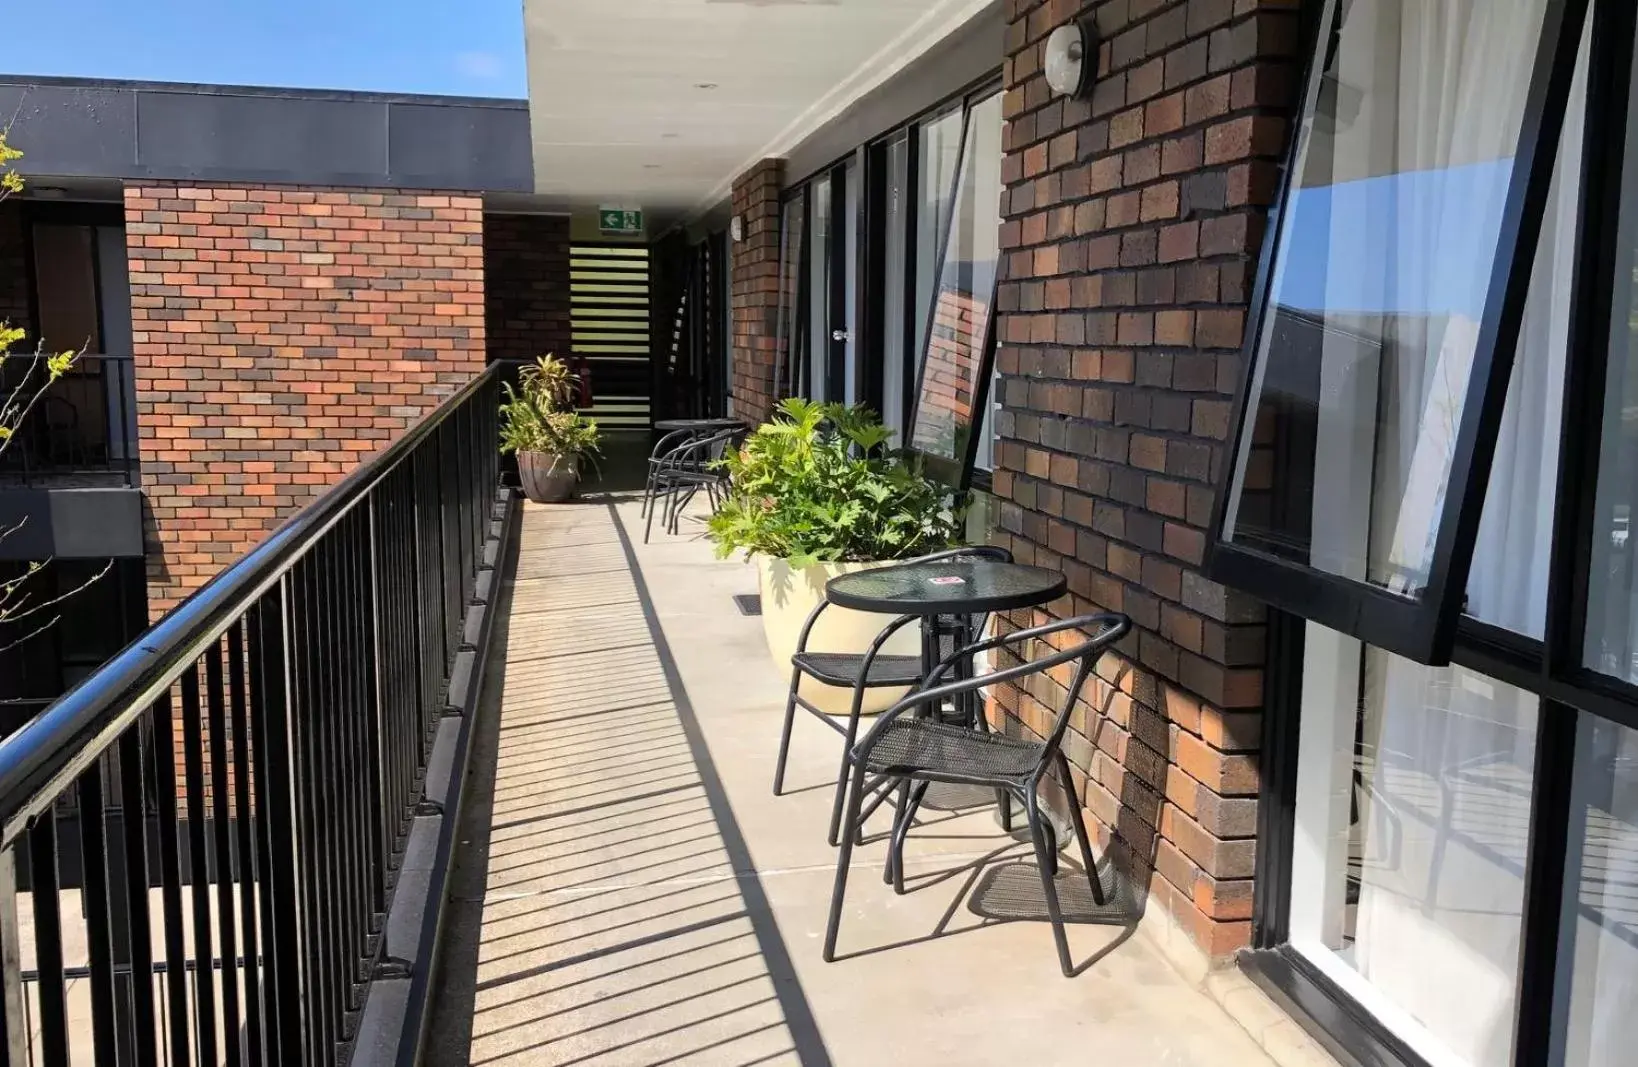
(871, 276)
(1552, 668)
(1421, 628)
(958, 472)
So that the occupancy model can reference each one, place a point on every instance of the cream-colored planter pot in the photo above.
(789, 597)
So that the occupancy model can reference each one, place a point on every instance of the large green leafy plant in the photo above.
(817, 483)
(537, 416)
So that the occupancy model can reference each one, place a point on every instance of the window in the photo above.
(1452, 845)
(1401, 242)
(895, 306)
(955, 365)
(857, 301)
(814, 384)
(1413, 814)
(792, 335)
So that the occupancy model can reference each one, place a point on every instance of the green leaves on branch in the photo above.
(538, 415)
(817, 483)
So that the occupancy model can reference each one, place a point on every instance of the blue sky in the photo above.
(456, 47)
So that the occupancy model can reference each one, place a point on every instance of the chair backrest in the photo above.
(1099, 633)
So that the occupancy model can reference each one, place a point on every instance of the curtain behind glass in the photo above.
(789, 353)
(940, 149)
(946, 416)
(894, 305)
(1386, 250)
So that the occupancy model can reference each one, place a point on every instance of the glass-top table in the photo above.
(707, 425)
(946, 587)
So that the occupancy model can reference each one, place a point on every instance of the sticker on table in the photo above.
(948, 579)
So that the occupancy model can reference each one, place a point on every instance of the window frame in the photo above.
(1421, 628)
(958, 472)
(1552, 667)
(871, 276)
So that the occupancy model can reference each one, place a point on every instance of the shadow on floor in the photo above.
(604, 908)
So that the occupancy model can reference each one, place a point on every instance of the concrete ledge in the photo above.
(393, 1027)
(459, 701)
(1278, 1034)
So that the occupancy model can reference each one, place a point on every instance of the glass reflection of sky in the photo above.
(1416, 243)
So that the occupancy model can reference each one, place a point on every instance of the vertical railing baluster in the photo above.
(14, 1035)
(377, 812)
(314, 801)
(245, 827)
(163, 758)
(133, 802)
(193, 771)
(279, 861)
(98, 914)
(222, 837)
(48, 939)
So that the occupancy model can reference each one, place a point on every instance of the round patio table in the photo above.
(954, 587)
(946, 587)
(704, 425)
(959, 588)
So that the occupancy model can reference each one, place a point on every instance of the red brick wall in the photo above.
(1132, 223)
(282, 335)
(13, 269)
(754, 290)
(526, 285)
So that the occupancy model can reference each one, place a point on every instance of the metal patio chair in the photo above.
(920, 749)
(685, 470)
(845, 669)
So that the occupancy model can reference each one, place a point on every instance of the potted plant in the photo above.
(550, 438)
(813, 493)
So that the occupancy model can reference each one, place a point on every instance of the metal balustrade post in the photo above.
(14, 1035)
(269, 806)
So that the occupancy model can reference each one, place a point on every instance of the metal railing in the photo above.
(272, 734)
(82, 429)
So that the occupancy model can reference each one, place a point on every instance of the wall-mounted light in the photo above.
(736, 228)
(1069, 59)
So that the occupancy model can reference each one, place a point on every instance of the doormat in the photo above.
(748, 603)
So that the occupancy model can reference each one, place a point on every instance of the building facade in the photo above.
(1300, 335)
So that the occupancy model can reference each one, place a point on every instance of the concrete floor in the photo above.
(628, 891)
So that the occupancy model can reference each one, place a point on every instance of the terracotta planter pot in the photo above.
(548, 478)
(789, 596)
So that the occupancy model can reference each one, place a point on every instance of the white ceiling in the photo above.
(617, 99)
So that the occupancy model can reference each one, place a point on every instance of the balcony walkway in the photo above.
(627, 890)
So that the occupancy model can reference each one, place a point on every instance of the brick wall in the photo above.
(1132, 223)
(13, 269)
(526, 285)
(282, 335)
(754, 290)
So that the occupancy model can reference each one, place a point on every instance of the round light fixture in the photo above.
(736, 228)
(1068, 61)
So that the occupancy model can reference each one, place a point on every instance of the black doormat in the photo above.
(748, 603)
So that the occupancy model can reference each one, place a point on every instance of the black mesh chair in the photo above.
(920, 749)
(683, 471)
(844, 669)
(657, 457)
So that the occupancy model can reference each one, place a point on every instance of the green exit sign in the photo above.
(619, 220)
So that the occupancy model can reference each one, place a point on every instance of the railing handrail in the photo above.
(68, 736)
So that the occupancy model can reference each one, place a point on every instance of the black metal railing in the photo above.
(270, 737)
(81, 430)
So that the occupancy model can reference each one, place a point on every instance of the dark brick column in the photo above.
(754, 290)
(281, 335)
(1132, 224)
(526, 285)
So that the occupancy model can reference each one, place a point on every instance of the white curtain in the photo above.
(1446, 754)
(1429, 819)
